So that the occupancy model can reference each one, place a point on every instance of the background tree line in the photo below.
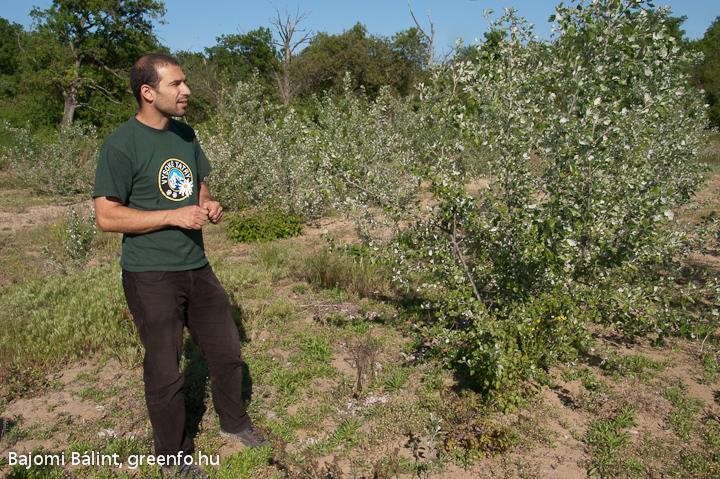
(72, 63)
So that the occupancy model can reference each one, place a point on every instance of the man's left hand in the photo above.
(215, 211)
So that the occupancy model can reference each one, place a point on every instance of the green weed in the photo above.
(607, 441)
(684, 416)
(245, 464)
(279, 312)
(316, 349)
(395, 378)
(635, 365)
(288, 382)
(344, 435)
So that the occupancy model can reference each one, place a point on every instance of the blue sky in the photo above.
(194, 24)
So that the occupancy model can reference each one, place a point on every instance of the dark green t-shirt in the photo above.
(149, 169)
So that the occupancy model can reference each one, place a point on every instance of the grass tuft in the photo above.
(53, 320)
(334, 270)
(607, 441)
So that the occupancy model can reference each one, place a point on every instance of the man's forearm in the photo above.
(204, 193)
(122, 219)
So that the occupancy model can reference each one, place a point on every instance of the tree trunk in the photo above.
(286, 92)
(70, 93)
(70, 97)
(286, 28)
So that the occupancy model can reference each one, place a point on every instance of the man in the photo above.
(150, 186)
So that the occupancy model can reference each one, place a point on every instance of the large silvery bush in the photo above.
(61, 164)
(261, 157)
(592, 139)
(365, 165)
(346, 154)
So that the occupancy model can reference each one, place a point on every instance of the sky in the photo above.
(195, 24)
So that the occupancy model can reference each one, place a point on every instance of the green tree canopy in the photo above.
(85, 48)
(238, 56)
(371, 60)
(9, 37)
(708, 72)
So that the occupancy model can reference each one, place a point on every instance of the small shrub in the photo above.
(76, 240)
(261, 226)
(469, 432)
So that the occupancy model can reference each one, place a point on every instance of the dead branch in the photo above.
(430, 38)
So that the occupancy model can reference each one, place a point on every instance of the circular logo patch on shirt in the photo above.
(175, 180)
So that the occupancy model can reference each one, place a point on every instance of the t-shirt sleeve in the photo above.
(113, 176)
(204, 167)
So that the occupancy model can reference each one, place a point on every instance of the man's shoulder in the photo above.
(122, 137)
(182, 129)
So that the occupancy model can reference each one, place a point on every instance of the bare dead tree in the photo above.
(430, 38)
(287, 30)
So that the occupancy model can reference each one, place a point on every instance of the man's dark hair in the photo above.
(144, 71)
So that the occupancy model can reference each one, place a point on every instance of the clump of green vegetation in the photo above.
(262, 226)
(245, 464)
(684, 416)
(395, 378)
(635, 365)
(278, 259)
(607, 441)
(345, 435)
(356, 275)
(51, 320)
(75, 239)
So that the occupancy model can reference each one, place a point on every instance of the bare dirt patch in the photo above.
(33, 216)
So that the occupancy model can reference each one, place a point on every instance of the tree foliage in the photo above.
(85, 47)
(240, 56)
(372, 61)
(708, 73)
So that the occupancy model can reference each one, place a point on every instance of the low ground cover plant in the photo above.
(262, 226)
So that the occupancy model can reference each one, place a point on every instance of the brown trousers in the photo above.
(162, 303)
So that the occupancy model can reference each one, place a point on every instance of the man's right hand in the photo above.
(190, 217)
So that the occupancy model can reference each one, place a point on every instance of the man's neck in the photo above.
(153, 119)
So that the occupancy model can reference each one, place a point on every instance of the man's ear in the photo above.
(147, 93)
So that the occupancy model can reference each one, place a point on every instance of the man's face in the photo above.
(172, 93)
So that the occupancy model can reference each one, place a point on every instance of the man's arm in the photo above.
(215, 210)
(112, 215)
